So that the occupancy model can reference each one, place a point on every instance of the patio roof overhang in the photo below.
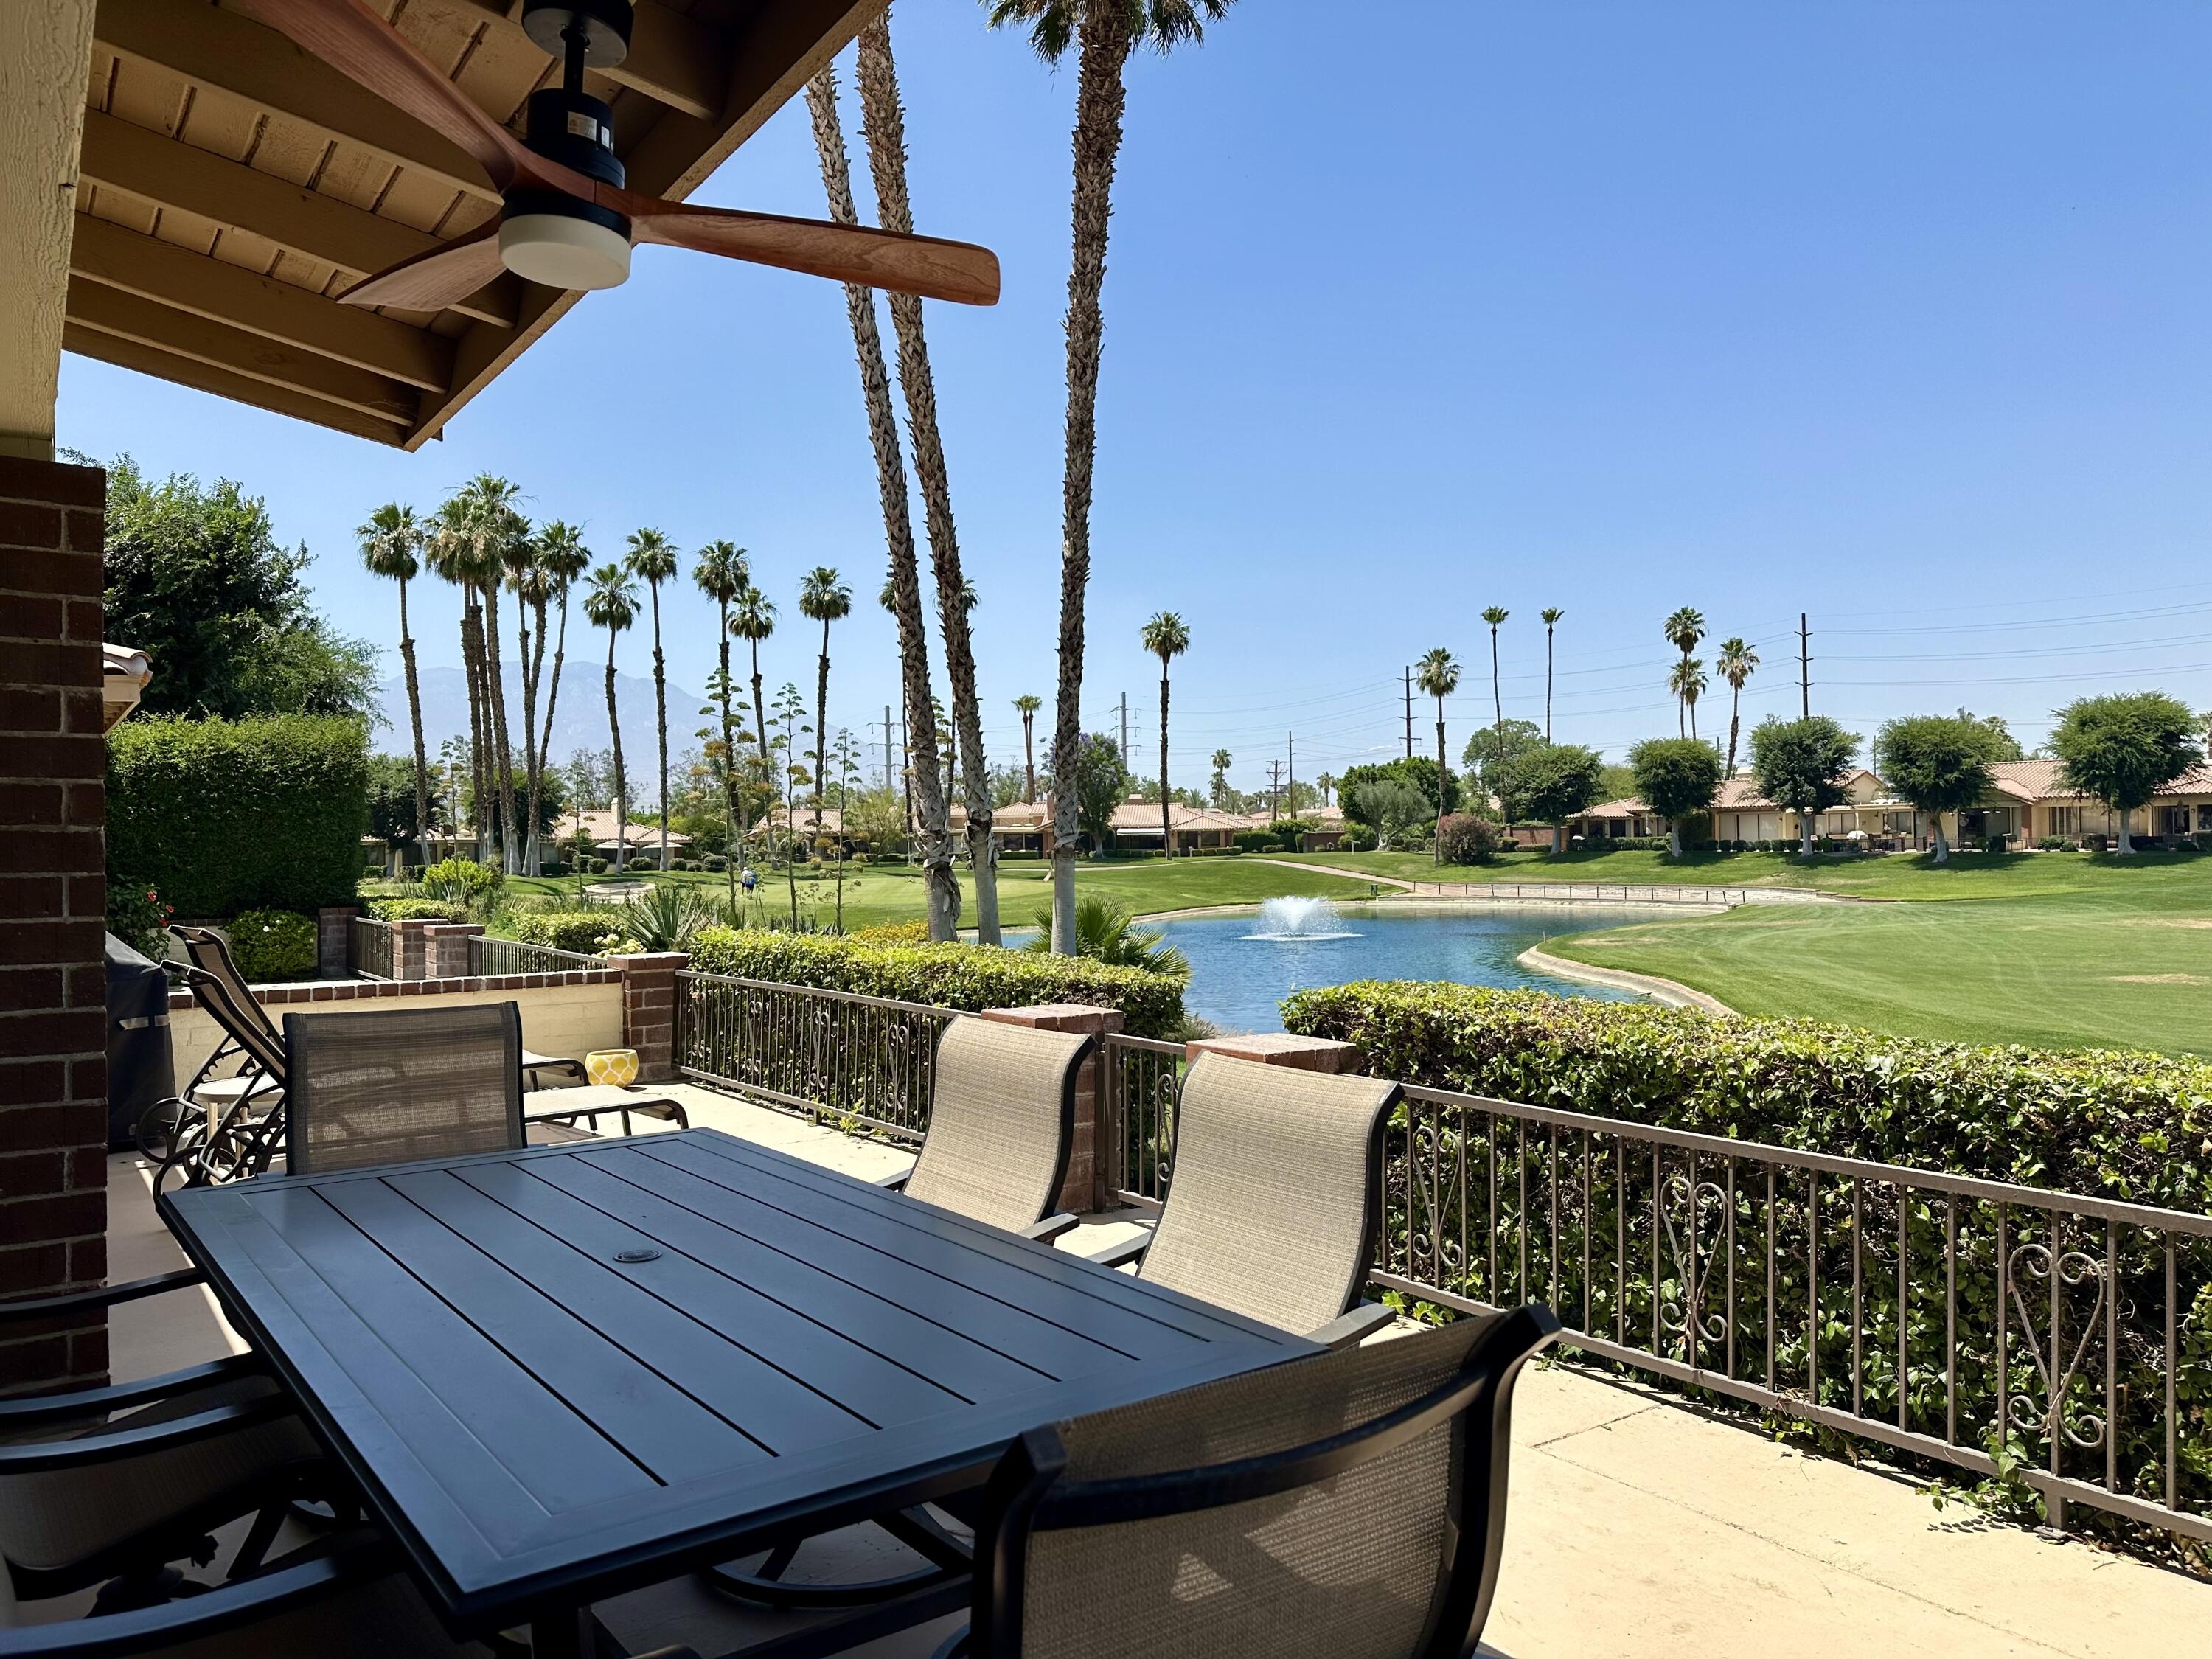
(185, 191)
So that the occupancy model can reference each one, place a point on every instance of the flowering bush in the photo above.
(137, 914)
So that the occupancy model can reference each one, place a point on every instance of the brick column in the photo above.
(1085, 1190)
(410, 950)
(449, 948)
(53, 900)
(334, 940)
(649, 1011)
(1303, 1054)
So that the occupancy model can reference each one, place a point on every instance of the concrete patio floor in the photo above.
(1636, 1525)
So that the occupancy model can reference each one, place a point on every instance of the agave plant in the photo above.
(668, 915)
(1105, 933)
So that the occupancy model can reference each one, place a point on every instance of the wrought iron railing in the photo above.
(862, 1060)
(1969, 1321)
(495, 957)
(369, 947)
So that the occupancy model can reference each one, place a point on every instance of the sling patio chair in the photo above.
(1276, 1199)
(1001, 1121)
(340, 1598)
(216, 1132)
(109, 1485)
(1349, 1506)
(396, 1085)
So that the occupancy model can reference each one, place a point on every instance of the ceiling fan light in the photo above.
(564, 252)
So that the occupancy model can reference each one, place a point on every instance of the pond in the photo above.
(1243, 965)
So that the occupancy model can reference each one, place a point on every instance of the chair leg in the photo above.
(945, 1557)
(259, 1538)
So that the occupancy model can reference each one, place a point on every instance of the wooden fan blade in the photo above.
(926, 266)
(431, 282)
(361, 46)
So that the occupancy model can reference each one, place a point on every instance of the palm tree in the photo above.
(1688, 683)
(452, 549)
(534, 594)
(562, 557)
(1495, 615)
(1167, 637)
(1026, 706)
(1550, 616)
(611, 604)
(652, 559)
(718, 571)
(1327, 784)
(1217, 786)
(494, 527)
(1737, 663)
(392, 547)
(825, 599)
(941, 890)
(1103, 32)
(1683, 630)
(752, 619)
(885, 124)
(1437, 676)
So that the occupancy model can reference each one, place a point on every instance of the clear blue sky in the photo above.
(1896, 314)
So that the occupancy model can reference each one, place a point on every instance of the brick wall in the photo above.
(53, 1026)
(649, 1011)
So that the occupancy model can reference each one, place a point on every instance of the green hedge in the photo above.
(228, 816)
(967, 977)
(568, 930)
(273, 947)
(415, 909)
(2124, 1125)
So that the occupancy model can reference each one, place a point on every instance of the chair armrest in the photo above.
(16, 1413)
(105, 1296)
(40, 1457)
(1348, 1330)
(1117, 1255)
(892, 1184)
(1052, 1227)
(350, 1563)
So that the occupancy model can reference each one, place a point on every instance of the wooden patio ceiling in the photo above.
(231, 186)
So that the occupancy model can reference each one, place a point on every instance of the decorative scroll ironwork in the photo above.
(1686, 1314)
(2081, 1427)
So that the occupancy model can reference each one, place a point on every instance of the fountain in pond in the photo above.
(1300, 921)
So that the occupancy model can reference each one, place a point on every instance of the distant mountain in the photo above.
(580, 715)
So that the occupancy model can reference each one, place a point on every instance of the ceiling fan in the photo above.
(567, 221)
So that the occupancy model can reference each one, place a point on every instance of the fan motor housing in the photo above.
(605, 25)
(577, 131)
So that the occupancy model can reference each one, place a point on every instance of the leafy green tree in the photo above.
(2122, 749)
(1416, 772)
(1940, 762)
(1549, 783)
(1393, 808)
(194, 577)
(1101, 783)
(1678, 778)
(1493, 749)
(1800, 765)
(2004, 746)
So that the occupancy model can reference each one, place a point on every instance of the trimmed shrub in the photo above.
(227, 815)
(966, 977)
(568, 930)
(915, 930)
(1358, 838)
(2118, 1124)
(1467, 838)
(273, 946)
(415, 909)
(1255, 841)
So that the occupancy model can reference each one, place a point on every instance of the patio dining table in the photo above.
(565, 1372)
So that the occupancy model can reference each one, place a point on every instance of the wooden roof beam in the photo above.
(213, 288)
(234, 54)
(218, 345)
(673, 59)
(170, 172)
(238, 388)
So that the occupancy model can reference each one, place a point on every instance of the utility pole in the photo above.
(1291, 799)
(1125, 731)
(1274, 789)
(1804, 668)
(1409, 711)
(887, 728)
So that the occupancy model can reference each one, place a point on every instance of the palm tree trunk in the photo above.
(480, 740)
(1736, 721)
(1100, 99)
(502, 757)
(1437, 840)
(415, 719)
(660, 719)
(941, 888)
(613, 737)
(1167, 833)
(530, 649)
(1029, 759)
(1547, 683)
(885, 124)
(1497, 699)
(729, 754)
(1693, 716)
(820, 725)
(552, 692)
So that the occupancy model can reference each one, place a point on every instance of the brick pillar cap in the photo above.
(653, 959)
(464, 928)
(1305, 1053)
(1060, 1016)
(339, 910)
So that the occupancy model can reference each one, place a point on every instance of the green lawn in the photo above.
(2126, 963)
(893, 892)
(1966, 876)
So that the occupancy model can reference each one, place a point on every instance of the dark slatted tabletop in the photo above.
(568, 1370)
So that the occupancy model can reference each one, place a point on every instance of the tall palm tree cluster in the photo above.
(1736, 662)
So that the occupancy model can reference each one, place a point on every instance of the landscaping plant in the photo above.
(273, 947)
(2123, 749)
(1800, 765)
(1678, 778)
